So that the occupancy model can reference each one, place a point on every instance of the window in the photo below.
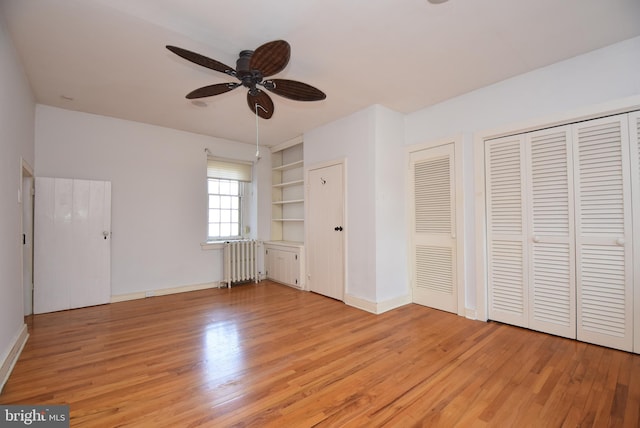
(226, 183)
(224, 208)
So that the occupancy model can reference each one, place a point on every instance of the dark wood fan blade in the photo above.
(294, 90)
(211, 90)
(202, 60)
(271, 58)
(263, 100)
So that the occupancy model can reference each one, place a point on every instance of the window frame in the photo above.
(231, 171)
(239, 208)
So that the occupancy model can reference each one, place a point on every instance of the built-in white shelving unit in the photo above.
(284, 254)
(287, 192)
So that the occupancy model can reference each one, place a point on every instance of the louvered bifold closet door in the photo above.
(506, 231)
(603, 232)
(551, 232)
(434, 239)
(634, 138)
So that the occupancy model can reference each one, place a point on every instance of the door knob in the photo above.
(338, 228)
(105, 234)
(620, 242)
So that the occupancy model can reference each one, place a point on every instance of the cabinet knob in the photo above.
(338, 228)
(620, 242)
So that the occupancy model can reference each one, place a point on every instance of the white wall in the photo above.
(390, 202)
(596, 77)
(158, 178)
(591, 79)
(353, 139)
(17, 112)
(371, 142)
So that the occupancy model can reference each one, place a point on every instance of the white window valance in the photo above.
(228, 169)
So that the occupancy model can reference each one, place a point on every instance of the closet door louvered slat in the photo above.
(506, 240)
(550, 225)
(434, 214)
(603, 232)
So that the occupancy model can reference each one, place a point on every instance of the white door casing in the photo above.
(73, 244)
(26, 199)
(634, 138)
(324, 221)
(433, 214)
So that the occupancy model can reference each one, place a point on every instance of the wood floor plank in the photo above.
(269, 355)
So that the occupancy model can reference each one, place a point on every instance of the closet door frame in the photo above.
(625, 105)
(459, 220)
(634, 143)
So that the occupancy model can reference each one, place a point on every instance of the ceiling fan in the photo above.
(252, 67)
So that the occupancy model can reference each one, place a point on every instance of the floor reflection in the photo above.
(223, 352)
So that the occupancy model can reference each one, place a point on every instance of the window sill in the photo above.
(212, 245)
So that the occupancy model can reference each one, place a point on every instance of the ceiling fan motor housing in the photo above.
(249, 78)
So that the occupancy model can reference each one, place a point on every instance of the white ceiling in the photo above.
(109, 56)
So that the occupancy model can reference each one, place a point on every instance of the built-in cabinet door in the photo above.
(433, 219)
(274, 270)
(72, 246)
(283, 266)
(550, 236)
(603, 232)
(506, 231)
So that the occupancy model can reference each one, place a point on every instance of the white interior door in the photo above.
(559, 247)
(325, 230)
(433, 202)
(72, 253)
(551, 244)
(603, 232)
(507, 249)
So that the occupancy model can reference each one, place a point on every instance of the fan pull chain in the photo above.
(258, 131)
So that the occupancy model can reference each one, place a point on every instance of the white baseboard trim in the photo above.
(470, 314)
(163, 291)
(9, 360)
(376, 307)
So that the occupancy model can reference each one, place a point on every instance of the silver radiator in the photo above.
(240, 261)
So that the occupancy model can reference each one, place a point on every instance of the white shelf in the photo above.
(294, 201)
(289, 166)
(289, 184)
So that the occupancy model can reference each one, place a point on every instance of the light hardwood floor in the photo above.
(268, 355)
